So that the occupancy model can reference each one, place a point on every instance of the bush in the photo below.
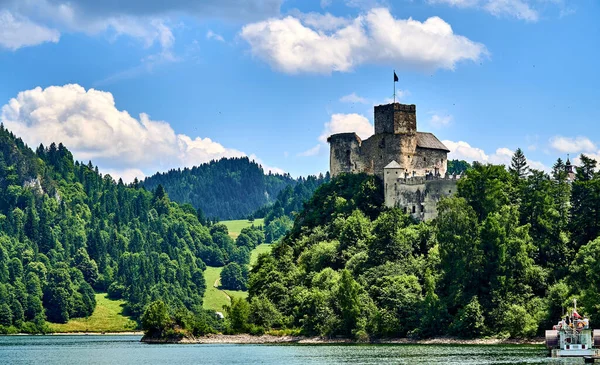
(234, 277)
(518, 322)
(264, 313)
(238, 314)
(469, 322)
(255, 330)
(156, 321)
(116, 290)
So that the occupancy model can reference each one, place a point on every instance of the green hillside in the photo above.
(230, 188)
(107, 317)
(214, 297)
(68, 231)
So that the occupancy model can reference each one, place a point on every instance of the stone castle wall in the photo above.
(417, 196)
(396, 139)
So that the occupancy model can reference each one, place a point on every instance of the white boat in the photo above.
(573, 337)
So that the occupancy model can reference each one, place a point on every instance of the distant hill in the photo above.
(230, 188)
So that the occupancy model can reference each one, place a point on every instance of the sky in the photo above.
(141, 86)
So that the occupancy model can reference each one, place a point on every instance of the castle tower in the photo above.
(396, 119)
(399, 119)
(344, 154)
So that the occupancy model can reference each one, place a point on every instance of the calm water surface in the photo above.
(128, 350)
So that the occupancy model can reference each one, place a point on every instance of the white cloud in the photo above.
(212, 35)
(438, 120)
(463, 151)
(502, 156)
(89, 124)
(18, 32)
(128, 175)
(30, 22)
(572, 145)
(311, 151)
(353, 98)
(519, 9)
(343, 123)
(325, 22)
(376, 37)
(515, 8)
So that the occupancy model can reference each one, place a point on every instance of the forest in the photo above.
(67, 231)
(503, 258)
(279, 216)
(229, 188)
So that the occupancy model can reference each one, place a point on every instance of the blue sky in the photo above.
(144, 86)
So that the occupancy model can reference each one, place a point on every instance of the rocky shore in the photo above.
(270, 339)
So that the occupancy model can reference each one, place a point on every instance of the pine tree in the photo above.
(518, 165)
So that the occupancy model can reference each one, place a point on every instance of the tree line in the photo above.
(66, 231)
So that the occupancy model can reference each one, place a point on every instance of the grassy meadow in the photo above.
(235, 226)
(107, 317)
(215, 298)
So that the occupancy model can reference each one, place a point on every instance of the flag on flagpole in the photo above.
(395, 77)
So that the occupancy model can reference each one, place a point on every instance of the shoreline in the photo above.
(126, 333)
(245, 339)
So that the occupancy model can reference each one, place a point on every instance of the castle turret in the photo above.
(344, 155)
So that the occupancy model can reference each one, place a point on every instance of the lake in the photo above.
(128, 350)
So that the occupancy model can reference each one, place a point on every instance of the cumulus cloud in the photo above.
(89, 124)
(519, 9)
(438, 120)
(572, 144)
(17, 32)
(292, 45)
(343, 123)
(144, 20)
(462, 150)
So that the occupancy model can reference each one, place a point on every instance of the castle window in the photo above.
(425, 159)
(414, 209)
(422, 208)
(449, 191)
(404, 210)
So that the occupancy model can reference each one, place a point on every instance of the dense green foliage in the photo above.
(230, 188)
(234, 277)
(457, 167)
(502, 258)
(67, 230)
(279, 216)
(160, 321)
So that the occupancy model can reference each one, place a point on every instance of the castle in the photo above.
(411, 164)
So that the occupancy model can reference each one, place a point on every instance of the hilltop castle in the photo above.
(411, 164)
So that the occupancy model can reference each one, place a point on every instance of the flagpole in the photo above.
(394, 87)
